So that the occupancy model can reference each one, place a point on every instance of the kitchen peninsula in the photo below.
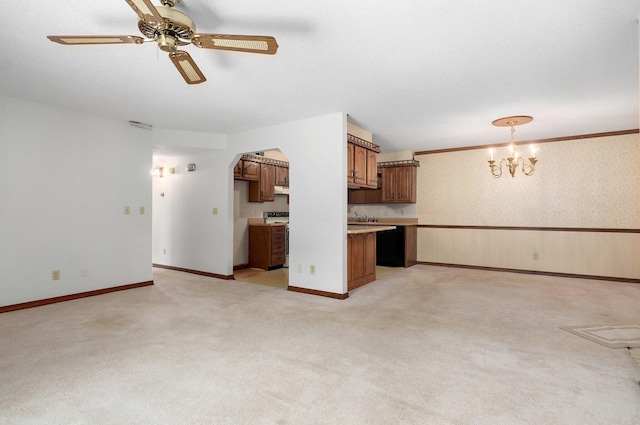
(361, 253)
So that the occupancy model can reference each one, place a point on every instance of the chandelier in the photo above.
(513, 160)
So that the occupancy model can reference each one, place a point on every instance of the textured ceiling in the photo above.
(419, 74)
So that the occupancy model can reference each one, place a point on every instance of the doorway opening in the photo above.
(260, 218)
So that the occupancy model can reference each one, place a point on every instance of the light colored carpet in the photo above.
(635, 354)
(618, 336)
(425, 345)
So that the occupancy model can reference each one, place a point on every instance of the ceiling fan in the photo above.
(171, 28)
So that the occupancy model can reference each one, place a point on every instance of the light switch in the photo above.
(127, 210)
(141, 210)
(215, 211)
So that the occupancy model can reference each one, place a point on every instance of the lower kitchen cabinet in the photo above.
(267, 246)
(361, 259)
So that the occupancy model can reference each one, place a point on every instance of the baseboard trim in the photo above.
(63, 298)
(320, 293)
(241, 267)
(536, 272)
(198, 272)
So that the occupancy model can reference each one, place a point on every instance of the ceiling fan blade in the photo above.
(96, 39)
(239, 43)
(147, 12)
(187, 67)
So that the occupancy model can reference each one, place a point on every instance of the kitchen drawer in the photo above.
(278, 258)
(277, 239)
(277, 230)
(277, 248)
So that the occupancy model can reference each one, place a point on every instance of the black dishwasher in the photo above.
(390, 247)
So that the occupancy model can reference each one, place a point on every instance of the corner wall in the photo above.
(65, 180)
(198, 240)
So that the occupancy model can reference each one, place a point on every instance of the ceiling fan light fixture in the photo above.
(166, 43)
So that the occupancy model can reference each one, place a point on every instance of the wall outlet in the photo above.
(127, 210)
(312, 269)
(164, 251)
(299, 268)
(535, 255)
(84, 272)
(141, 210)
(55, 275)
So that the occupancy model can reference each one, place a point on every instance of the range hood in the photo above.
(281, 190)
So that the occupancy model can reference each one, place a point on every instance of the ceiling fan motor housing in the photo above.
(177, 31)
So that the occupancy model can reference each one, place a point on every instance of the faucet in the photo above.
(361, 217)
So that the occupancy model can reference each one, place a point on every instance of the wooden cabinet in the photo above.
(410, 246)
(282, 176)
(357, 172)
(246, 170)
(361, 259)
(365, 196)
(372, 169)
(399, 180)
(263, 189)
(362, 157)
(267, 246)
(263, 175)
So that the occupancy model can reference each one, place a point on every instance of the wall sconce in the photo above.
(158, 171)
(191, 167)
(513, 160)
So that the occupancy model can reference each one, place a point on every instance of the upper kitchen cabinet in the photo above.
(282, 176)
(263, 174)
(372, 169)
(263, 190)
(362, 157)
(399, 181)
(246, 169)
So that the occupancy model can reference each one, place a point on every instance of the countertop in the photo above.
(260, 222)
(356, 229)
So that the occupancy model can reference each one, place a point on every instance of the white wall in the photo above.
(199, 240)
(65, 180)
